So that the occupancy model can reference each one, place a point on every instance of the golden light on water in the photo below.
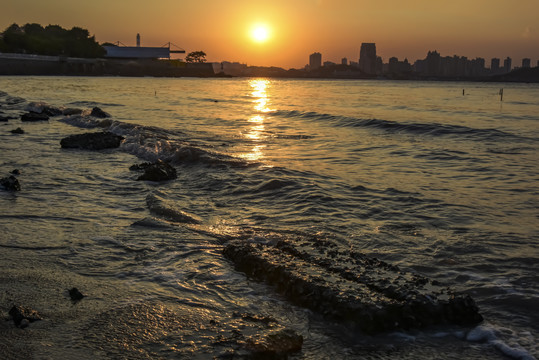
(257, 129)
(260, 94)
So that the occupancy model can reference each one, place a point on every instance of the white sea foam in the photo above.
(81, 121)
(504, 340)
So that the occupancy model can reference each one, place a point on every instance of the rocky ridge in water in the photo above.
(364, 292)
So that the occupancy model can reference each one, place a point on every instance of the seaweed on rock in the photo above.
(365, 292)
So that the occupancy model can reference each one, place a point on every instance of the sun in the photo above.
(260, 33)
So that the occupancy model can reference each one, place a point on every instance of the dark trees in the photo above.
(50, 40)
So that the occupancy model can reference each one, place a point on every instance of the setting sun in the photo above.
(260, 33)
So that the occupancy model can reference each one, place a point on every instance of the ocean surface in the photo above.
(438, 178)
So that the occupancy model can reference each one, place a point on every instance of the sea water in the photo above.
(438, 178)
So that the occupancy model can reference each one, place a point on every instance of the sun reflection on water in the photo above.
(257, 130)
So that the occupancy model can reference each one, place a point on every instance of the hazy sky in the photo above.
(335, 28)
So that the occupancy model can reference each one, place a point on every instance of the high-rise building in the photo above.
(344, 61)
(315, 60)
(507, 64)
(434, 63)
(495, 65)
(138, 40)
(526, 63)
(367, 58)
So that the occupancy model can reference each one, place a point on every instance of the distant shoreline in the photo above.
(25, 64)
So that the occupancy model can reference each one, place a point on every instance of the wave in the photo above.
(85, 103)
(153, 143)
(429, 129)
(159, 206)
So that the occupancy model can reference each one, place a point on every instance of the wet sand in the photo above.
(115, 320)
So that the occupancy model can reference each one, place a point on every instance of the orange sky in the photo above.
(335, 28)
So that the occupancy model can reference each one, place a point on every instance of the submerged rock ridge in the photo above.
(161, 207)
(92, 141)
(367, 293)
(157, 171)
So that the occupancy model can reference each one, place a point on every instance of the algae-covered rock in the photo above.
(367, 293)
(92, 141)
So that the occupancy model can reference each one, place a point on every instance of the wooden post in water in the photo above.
(501, 94)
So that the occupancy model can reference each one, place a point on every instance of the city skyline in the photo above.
(370, 57)
(292, 30)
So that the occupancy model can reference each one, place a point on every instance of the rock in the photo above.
(16, 172)
(21, 313)
(10, 183)
(97, 112)
(141, 166)
(17, 131)
(71, 111)
(158, 171)
(32, 116)
(75, 294)
(92, 141)
(275, 346)
(363, 292)
(52, 111)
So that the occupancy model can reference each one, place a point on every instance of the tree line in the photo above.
(50, 40)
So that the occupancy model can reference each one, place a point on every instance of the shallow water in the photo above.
(413, 173)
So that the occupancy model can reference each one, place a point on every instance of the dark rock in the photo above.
(92, 141)
(347, 286)
(51, 111)
(15, 172)
(97, 112)
(275, 346)
(158, 171)
(17, 131)
(32, 116)
(20, 313)
(71, 111)
(141, 166)
(75, 294)
(10, 183)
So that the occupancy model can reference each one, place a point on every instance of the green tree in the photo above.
(196, 57)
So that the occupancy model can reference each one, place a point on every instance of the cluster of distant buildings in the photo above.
(433, 65)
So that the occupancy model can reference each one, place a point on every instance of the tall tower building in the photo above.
(367, 58)
(315, 60)
(495, 65)
(507, 64)
(526, 63)
(138, 40)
